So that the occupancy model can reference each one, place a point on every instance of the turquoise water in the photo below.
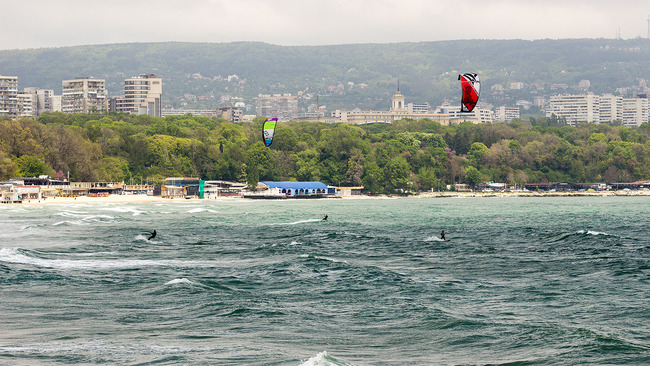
(523, 281)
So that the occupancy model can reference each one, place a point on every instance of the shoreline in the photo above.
(153, 199)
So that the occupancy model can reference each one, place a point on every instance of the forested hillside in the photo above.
(404, 156)
(343, 76)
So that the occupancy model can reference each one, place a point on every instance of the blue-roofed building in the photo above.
(294, 189)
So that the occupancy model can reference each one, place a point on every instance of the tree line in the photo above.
(405, 156)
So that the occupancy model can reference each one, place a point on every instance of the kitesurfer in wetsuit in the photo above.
(153, 235)
(325, 218)
(442, 235)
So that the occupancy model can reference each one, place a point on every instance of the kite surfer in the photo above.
(153, 235)
(442, 235)
(325, 218)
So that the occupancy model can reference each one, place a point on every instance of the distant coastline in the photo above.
(116, 198)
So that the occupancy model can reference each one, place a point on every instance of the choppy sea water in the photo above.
(523, 281)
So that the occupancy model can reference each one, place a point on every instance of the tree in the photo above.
(473, 176)
(29, 166)
(427, 178)
(252, 176)
(477, 151)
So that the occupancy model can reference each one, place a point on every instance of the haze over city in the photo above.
(43, 23)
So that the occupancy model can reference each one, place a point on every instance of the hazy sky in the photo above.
(54, 23)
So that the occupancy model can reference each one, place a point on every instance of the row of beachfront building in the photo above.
(36, 188)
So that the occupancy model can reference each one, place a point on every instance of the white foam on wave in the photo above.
(199, 209)
(433, 238)
(590, 232)
(14, 255)
(323, 258)
(122, 209)
(145, 238)
(298, 222)
(177, 281)
(83, 219)
(98, 347)
(324, 359)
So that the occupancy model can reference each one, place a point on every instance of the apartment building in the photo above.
(27, 104)
(84, 95)
(635, 111)
(9, 96)
(506, 114)
(575, 108)
(599, 109)
(281, 106)
(142, 95)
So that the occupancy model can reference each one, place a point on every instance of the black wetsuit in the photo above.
(153, 235)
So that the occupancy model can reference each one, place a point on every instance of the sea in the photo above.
(521, 281)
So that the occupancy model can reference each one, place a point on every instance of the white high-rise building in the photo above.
(606, 108)
(9, 96)
(635, 111)
(142, 95)
(281, 106)
(27, 104)
(505, 114)
(84, 95)
(610, 108)
(45, 100)
(575, 108)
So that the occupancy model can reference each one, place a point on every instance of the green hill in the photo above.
(343, 76)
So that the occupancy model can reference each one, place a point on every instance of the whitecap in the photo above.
(590, 232)
(324, 359)
(85, 219)
(323, 258)
(177, 281)
(298, 222)
(132, 210)
(433, 238)
(16, 256)
(197, 210)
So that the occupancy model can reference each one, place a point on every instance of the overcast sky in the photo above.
(55, 23)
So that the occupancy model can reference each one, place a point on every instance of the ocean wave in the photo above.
(21, 256)
(321, 258)
(85, 219)
(121, 209)
(177, 281)
(199, 209)
(98, 346)
(434, 238)
(590, 232)
(298, 222)
(324, 359)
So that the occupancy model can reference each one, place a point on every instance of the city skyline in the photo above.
(41, 23)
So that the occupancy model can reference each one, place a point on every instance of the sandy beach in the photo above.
(143, 198)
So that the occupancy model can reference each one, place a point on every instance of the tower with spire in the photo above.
(398, 101)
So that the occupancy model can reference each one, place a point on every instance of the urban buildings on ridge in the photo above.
(143, 95)
(445, 114)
